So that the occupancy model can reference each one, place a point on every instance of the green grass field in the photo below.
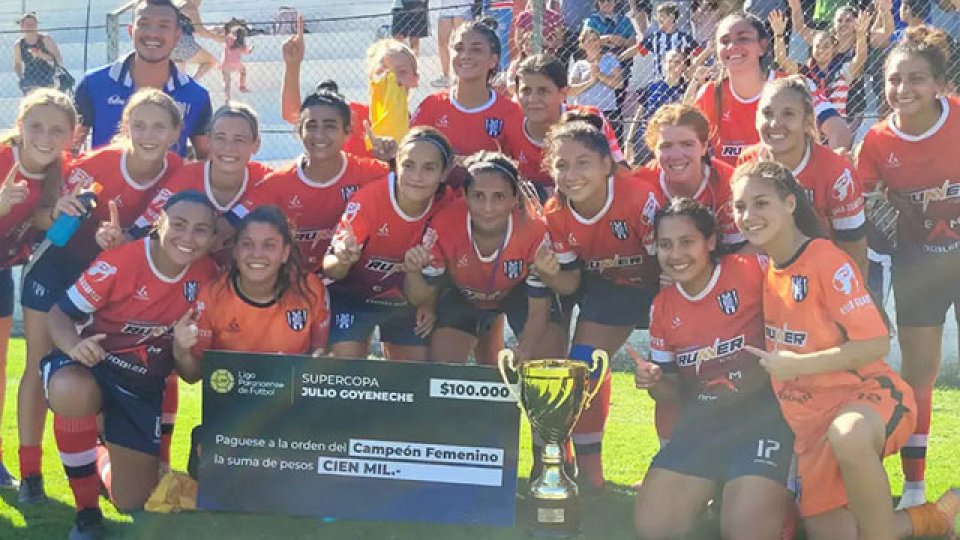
(629, 445)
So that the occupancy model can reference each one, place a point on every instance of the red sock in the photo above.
(168, 410)
(664, 418)
(30, 459)
(913, 456)
(103, 468)
(77, 442)
(588, 436)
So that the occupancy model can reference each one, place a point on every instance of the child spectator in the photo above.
(670, 89)
(234, 48)
(595, 79)
(392, 73)
(666, 38)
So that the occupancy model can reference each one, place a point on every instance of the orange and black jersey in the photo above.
(292, 324)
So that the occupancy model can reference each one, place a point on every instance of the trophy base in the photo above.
(554, 518)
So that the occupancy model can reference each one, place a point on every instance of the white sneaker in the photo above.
(911, 498)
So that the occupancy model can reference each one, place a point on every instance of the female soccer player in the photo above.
(31, 160)
(127, 172)
(910, 157)
(266, 302)
(700, 364)
(128, 302)
(731, 103)
(787, 127)
(470, 114)
(486, 247)
(314, 189)
(541, 88)
(367, 256)
(607, 225)
(825, 343)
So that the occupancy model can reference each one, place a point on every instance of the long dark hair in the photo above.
(701, 216)
(784, 183)
(293, 274)
(486, 27)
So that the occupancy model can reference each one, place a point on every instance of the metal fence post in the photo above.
(113, 37)
(538, 8)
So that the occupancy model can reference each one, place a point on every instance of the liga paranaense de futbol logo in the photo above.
(222, 381)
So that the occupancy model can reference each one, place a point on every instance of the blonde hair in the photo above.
(40, 97)
(147, 96)
(380, 50)
(798, 85)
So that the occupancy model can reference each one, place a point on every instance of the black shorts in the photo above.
(925, 289)
(411, 20)
(604, 302)
(355, 320)
(48, 279)
(7, 292)
(455, 311)
(750, 439)
(131, 419)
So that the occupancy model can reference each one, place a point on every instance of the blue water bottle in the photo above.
(65, 225)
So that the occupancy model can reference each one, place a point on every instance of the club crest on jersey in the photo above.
(729, 301)
(351, 211)
(843, 185)
(79, 177)
(619, 229)
(513, 268)
(297, 319)
(493, 126)
(190, 290)
(800, 286)
(101, 271)
(347, 191)
(844, 280)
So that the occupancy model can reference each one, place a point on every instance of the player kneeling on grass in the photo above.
(699, 327)
(128, 303)
(825, 346)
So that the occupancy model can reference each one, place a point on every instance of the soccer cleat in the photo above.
(31, 490)
(6, 479)
(911, 498)
(88, 525)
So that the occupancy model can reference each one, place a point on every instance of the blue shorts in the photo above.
(355, 320)
(604, 302)
(49, 278)
(6, 293)
(129, 420)
(750, 439)
(925, 289)
(455, 311)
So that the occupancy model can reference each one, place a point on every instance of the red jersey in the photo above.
(518, 144)
(126, 298)
(702, 337)
(291, 324)
(196, 176)
(107, 166)
(468, 130)
(617, 243)
(313, 208)
(356, 142)
(922, 179)
(833, 187)
(386, 233)
(17, 234)
(484, 280)
(734, 127)
(818, 301)
(714, 193)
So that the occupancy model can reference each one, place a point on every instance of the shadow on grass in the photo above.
(42, 520)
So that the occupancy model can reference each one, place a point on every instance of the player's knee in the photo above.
(72, 391)
(851, 439)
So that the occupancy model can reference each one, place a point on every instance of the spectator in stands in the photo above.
(103, 92)
(553, 29)
(410, 22)
(35, 55)
(574, 13)
(913, 13)
(617, 34)
(762, 10)
(704, 16)
(451, 15)
(665, 38)
(188, 51)
(669, 89)
(595, 79)
(501, 11)
(832, 70)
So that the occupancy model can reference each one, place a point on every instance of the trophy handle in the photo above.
(601, 362)
(506, 360)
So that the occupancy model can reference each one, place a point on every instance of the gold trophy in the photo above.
(553, 393)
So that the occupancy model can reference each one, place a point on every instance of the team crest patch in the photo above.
(190, 289)
(619, 229)
(800, 286)
(729, 302)
(347, 191)
(494, 126)
(297, 319)
(101, 271)
(513, 268)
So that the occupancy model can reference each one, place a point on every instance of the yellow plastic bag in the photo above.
(176, 492)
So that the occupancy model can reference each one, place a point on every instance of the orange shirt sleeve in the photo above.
(846, 298)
